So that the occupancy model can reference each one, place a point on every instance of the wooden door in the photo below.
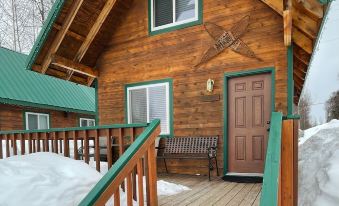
(249, 110)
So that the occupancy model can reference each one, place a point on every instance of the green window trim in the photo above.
(174, 27)
(170, 83)
(26, 112)
(228, 76)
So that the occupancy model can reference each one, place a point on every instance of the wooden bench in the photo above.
(191, 148)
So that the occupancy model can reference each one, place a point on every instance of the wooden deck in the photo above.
(214, 192)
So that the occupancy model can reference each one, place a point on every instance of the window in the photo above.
(174, 14)
(85, 122)
(36, 121)
(150, 101)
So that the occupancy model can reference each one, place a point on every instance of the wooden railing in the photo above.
(140, 159)
(280, 185)
(24, 142)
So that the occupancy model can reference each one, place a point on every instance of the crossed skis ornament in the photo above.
(227, 39)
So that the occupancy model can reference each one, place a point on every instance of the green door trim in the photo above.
(228, 76)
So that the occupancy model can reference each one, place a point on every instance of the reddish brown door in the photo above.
(249, 109)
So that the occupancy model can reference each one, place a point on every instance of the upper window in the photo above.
(174, 14)
(148, 102)
(36, 121)
(85, 122)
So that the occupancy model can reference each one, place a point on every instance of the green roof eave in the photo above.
(324, 1)
(45, 30)
(43, 106)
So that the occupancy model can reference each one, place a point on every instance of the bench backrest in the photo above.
(189, 145)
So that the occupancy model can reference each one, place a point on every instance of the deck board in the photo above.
(214, 192)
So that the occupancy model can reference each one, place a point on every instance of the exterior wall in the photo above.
(132, 55)
(12, 117)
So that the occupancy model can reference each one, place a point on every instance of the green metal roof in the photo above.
(27, 88)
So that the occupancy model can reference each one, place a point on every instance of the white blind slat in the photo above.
(158, 106)
(138, 104)
(163, 12)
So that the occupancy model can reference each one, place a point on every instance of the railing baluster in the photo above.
(60, 143)
(97, 150)
(55, 142)
(66, 146)
(109, 148)
(75, 143)
(15, 151)
(7, 147)
(45, 136)
(38, 141)
(86, 147)
(22, 144)
(147, 178)
(129, 190)
(1, 138)
(117, 197)
(140, 182)
(29, 135)
(134, 181)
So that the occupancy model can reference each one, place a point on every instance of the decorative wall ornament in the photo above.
(209, 85)
(227, 39)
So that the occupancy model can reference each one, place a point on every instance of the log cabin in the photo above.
(31, 101)
(225, 68)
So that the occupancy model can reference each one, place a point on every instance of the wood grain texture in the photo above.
(12, 117)
(131, 55)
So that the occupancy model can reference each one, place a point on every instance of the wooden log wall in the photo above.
(12, 117)
(132, 55)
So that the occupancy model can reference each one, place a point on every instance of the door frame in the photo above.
(229, 75)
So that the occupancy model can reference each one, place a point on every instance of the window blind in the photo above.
(158, 106)
(163, 12)
(138, 105)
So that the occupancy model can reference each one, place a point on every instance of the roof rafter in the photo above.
(94, 30)
(73, 66)
(61, 34)
(70, 33)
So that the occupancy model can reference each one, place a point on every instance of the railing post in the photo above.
(152, 177)
(289, 163)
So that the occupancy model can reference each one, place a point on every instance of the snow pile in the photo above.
(44, 179)
(53, 180)
(319, 166)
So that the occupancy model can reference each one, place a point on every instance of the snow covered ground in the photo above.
(319, 166)
(53, 180)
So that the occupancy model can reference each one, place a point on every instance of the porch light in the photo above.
(209, 85)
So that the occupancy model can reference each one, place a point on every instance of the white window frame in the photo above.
(147, 86)
(175, 23)
(37, 114)
(86, 119)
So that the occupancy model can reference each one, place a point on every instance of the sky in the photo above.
(323, 73)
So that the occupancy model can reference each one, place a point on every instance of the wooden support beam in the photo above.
(94, 30)
(305, 23)
(71, 13)
(70, 33)
(59, 74)
(310, 7)
(276, 5)
(287, 27)
(90, 81)
(73, 66)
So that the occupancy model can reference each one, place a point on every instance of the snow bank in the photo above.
(44, 179)
(319, 166)
(53, 180)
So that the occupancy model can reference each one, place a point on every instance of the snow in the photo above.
(319, 166)
(51, 179)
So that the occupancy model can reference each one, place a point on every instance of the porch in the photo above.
(214, 192)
